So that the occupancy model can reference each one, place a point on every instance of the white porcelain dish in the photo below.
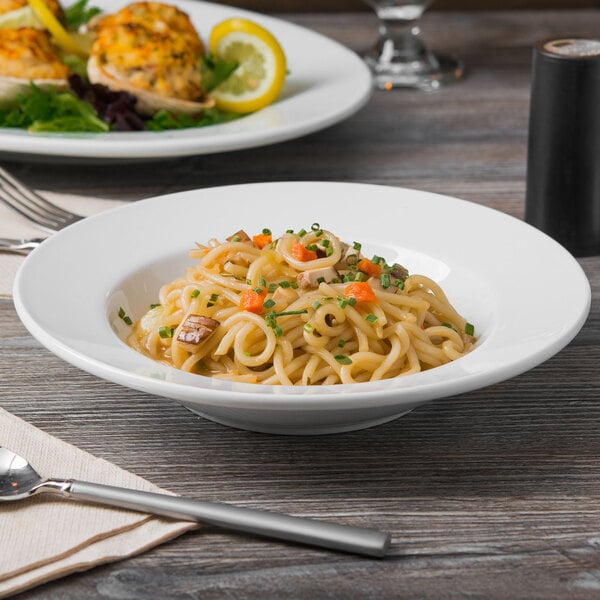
(326, 83)
(499, 272)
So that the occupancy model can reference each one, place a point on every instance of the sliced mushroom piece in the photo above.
(283, 297)
(349, 259)
(195, 329)
(239, 236)
(398, 272)
(313, 277)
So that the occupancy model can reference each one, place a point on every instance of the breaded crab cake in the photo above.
(152, 51)
(26, 54)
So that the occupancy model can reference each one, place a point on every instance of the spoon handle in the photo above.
(346, 538)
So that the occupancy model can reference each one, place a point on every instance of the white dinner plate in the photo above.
(326, 83)
(525, 294)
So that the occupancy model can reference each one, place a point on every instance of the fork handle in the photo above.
(19, 246)
(346, 538)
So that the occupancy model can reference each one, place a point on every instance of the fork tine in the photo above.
(33, 206)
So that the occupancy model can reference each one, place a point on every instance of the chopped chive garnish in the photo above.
(343, 359)
(371, 318)
(278, 331)
(386, 280)
(258, 290)
(359, 276)
(312, 247)
(351, 259)
(316, 304)
(195, 293)
(294, 285)
(325, 243)
(357, 246)
(262, 282)
(351, 301)
(449, 325)
(308, 328)
(272, 287)
(341, 343)
(155, 305)
(469, 329)
(247, 353)
(399, 284)
(285, 284)
(315, 227)
(266, 231)
(328, 250)
(122, 315)
(236, 238)
(302, 232)
(289, 231)
(320, 279)
(269, 303)
(214, 297)
(285, 313)
(166, 332)
(249, 281)
(209, 304)
(377, 259)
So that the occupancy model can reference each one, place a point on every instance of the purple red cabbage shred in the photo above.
(115, 108)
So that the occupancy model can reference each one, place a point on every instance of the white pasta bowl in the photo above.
(495, 269)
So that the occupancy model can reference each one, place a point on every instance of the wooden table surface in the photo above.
(490, 494)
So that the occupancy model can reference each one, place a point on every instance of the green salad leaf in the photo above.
(51, 110)
(164, 120)
(215, 71)
(79, 14)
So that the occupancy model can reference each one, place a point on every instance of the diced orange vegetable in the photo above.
(361, 291)
(369, 267)
(262, 239)
(300, 252)
(252, 301)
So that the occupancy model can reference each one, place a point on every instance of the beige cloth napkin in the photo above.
(45, 537)
(13, 225)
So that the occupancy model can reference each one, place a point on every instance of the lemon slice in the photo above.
(262, 66)
(20, 17)
(61, 36)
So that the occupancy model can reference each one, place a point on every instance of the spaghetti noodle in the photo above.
(303, 309)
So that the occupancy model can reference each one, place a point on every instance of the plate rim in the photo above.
(252, 393)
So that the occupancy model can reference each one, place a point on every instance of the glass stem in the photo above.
(400, 41)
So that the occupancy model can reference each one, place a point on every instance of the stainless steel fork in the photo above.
(34, 208)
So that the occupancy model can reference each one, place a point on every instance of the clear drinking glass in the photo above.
(400, 58)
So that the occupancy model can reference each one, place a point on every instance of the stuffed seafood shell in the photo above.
(28, 56)
(152, 51)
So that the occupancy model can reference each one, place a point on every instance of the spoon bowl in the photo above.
(18, 479)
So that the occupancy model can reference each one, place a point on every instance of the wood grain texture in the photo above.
(492, 494)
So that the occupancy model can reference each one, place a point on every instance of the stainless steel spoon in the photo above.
(19, 480)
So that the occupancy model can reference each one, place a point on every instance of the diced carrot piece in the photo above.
(300, 252)
(361, 291)
(369, 267)
(252, 301)
(262, 239)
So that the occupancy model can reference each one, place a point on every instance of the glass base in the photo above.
(429, 74)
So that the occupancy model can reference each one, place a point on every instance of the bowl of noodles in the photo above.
(307, 321)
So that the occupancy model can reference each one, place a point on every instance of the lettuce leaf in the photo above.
(51, 110)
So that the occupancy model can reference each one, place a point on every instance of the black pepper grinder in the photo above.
(563, 160)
